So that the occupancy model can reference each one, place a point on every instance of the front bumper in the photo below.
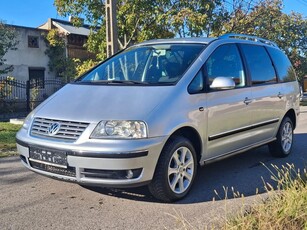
(97, 162)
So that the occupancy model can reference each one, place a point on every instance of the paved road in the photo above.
(31, 201)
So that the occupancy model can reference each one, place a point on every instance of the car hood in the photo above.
(93, 103)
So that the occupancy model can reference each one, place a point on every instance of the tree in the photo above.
(93, 11)
(266, 19)
(56, 51)
(83, 66)
(140, 20)
(192, 18)
(7, 42)
(137, 21)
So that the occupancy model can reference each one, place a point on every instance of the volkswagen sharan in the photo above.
(154, 112)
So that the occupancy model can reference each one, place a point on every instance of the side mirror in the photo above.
(221, 83)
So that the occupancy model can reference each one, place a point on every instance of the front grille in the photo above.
(69, 130)
(70, 171)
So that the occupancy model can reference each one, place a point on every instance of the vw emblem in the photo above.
(53, 129)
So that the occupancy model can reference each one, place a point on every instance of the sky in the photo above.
(30, 13)
(33, 13)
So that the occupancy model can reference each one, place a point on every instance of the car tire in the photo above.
(175, 171)
(282, 146)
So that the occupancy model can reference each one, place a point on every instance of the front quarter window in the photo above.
(197, 84)
(161, 64)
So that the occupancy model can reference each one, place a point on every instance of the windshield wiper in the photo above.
(107, 82)
(111, 82)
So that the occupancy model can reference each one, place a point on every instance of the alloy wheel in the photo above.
(286, 137)
(181, 170)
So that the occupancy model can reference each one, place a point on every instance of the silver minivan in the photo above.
(155, 111)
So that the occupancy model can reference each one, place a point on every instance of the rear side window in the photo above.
(283, 66)
(226, 61)
(259, 64)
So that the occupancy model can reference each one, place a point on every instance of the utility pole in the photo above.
(111, 26)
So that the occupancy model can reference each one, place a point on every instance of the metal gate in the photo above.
(18, 98)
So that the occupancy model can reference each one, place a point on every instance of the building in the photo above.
(76, 37)
(29, 59)
(32, 79)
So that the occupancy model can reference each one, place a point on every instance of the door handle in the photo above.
(247, 101)
(280, 95)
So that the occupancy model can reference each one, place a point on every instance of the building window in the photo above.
(33, 42)
(37, 77)
(77, 40)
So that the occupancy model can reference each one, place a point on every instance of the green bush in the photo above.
(7, 138)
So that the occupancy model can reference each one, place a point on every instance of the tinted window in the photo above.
(153, 64)
(283, 65)
(225, 61)
(260, 64)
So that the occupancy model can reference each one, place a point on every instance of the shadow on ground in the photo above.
(245, 173)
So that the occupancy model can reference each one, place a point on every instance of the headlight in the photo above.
(120, 129)
(27, 122)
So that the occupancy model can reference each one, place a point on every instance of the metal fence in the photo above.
(18, 98)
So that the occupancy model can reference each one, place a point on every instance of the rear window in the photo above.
(160, 64)
(283, 66)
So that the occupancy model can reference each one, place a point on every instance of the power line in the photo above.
(249, 3)
(304, 2)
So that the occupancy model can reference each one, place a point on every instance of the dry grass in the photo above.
(285, 208)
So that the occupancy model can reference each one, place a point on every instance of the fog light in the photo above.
(129, 174)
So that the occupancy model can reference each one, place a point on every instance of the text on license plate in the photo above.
(47, 156)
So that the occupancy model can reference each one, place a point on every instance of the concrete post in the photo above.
(111, 26)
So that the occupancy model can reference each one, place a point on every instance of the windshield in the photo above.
(161, 64)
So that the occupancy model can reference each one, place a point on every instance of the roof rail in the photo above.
(249, 38)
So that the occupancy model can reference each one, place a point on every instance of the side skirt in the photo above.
(235, 152)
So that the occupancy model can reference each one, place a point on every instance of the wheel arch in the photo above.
(192, 135)
(292, 116)
(159, 185)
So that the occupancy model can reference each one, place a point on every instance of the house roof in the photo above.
(25, 27)
(66, 27)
